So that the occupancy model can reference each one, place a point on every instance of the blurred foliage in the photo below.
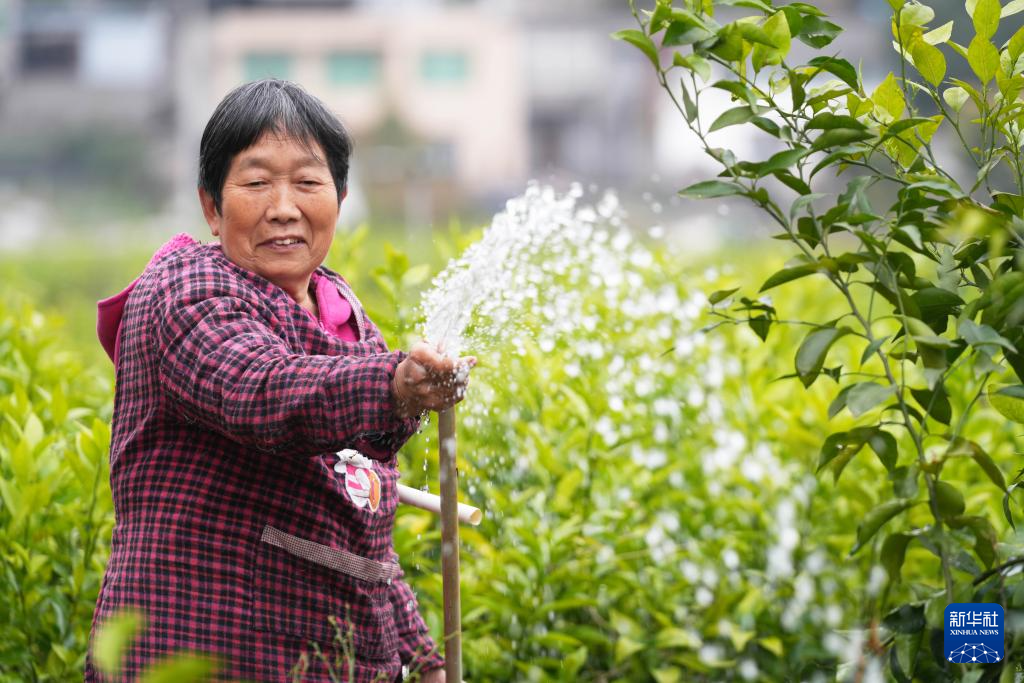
(56, 513)
(926, 337)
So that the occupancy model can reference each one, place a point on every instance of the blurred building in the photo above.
(453, 104)
(434, 97)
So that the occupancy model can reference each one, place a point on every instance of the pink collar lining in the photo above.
(335, 311)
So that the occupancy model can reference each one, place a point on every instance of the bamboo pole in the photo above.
(450, 546)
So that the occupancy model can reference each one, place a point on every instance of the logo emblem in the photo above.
(361, 481)
(974, 633)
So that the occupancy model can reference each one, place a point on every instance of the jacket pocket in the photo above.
(299, 585)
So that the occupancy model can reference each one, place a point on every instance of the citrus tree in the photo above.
(926, 262)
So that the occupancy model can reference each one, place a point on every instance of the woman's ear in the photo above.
(210, 212)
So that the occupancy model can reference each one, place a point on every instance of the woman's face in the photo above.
(278, 211)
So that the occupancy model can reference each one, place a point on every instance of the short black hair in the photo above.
(269, 105)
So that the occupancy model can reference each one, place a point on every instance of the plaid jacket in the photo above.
(234, 533)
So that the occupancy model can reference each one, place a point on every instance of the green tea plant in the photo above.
(55, 507)
(928, 268)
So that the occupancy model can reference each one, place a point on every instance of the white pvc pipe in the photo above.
(431, 503)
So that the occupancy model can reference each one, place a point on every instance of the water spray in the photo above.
(541, 242)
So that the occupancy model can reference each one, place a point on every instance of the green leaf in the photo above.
(754, 34)
(773, 644)
(876, 519)
(1011, 8)
(689, 107)
(980, 336)
(810, 357)
(985, 537)
(753, 4)
(929, 61)
(416, 275)
(904, 125)
(872, 348)
(934, 361)
(885, 447)
(767, 125)
(793, 183)
(840, 68)
(721, 295)
(948, 499)
(939, 35)
(955, 97)
(829, 121)
(904, 479)
(113, 640)
(986, 18)
(888, 97)
(729, 44)
(760, 325)
(1009, 401)
(840, 137)
(818, 32)
(842, 446)
(668, 674)
(1006, 503)
(685, 29)
(910, 235)
(790, 274)
(916, 14)
(708, 189)
(1015, 46)
(732, 117)
(181, 668)
(776, 28)
(674, 637)
(574, 661)
(924, 335)
(936, 304)
(894, 551)
(783, 160)
(566, 489)
(695, 63)
(983, 57)
(626, 647)
(740, 91)
(32, 433)
(935, 402)
(864, 396)
(640, 41)
(905, 619)
(839, 402)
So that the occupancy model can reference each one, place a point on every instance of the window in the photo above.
(444, 67)
(353, 68)
(49, 54)
(267, 65)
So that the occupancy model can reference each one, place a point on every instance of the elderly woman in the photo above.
(243, 368)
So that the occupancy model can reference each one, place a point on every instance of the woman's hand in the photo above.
(433, 676)
(428, 380)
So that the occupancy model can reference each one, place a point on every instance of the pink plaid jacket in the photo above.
(235, 535)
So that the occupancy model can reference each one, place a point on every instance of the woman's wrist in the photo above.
(403, 407)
